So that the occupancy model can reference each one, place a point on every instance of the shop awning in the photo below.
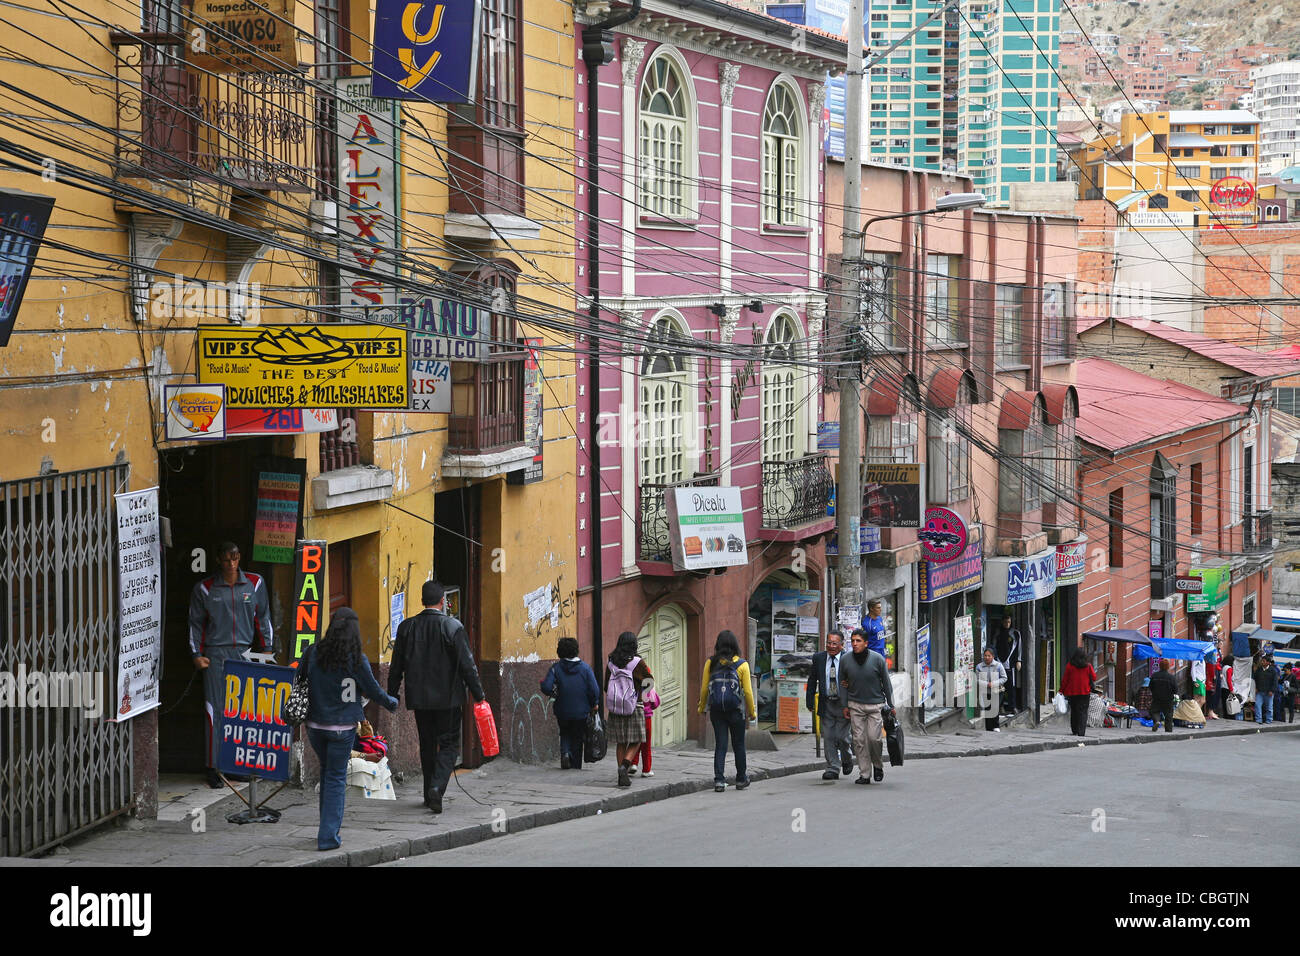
(1124, 635)
(1175, 650)
(1277, 638)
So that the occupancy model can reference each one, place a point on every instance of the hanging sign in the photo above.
(938, 581)
(1017, 580)
(891, 495)
(139, 584)
(309, 593)
(240, 36)
(1071, 562)
(195, 412)
(254, 740)
(533, 410)
(706, 528)
(23, 218)
(1216, 584)
(275, 515)
(944, 536)
(427, 51)
(281, 421)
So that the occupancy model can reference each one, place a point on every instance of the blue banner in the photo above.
(254, 740)
(23, 218)
(426, 51)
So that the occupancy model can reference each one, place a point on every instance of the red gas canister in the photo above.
(487, 729)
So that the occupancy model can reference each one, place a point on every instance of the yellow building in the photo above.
(188, 195)
(1175, 168)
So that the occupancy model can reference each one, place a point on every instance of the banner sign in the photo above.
(309, 594)
(307, 366)
(1017, 580)
(366, 132)
(240, 36)
(828, 436)
(1156, 629)
(963, 644)
(1071, 562)
(427, 51)
(280, 421)
(868, 541)
(923, 664)
(275, 515)
(430, 385)
(139, 588)
(937, 581)
(892, 495)
(194, 412)
(23, 218)
(254, 740)
(944, 536)
(1216, 585)
(533, 410)
(1186, 584)
(706, 527)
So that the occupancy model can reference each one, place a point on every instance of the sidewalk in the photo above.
(519, 797)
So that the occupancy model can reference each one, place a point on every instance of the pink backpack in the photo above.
(620, 696)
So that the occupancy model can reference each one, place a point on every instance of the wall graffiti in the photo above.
(530, 735)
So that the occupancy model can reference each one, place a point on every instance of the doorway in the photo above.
(662, 644)
(456, 557)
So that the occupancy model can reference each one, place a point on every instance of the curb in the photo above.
(479, 832)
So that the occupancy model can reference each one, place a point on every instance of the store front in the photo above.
(1025, 589)
(949, 604)
(785, 628)
(1063, 635)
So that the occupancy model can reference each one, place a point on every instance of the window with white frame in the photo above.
(942, 322)
(781, 157)
(782, 436)
(948, 448)
(664, 397)
(893, 438)
(1010, 318)
(665, 140)
(1058, 310)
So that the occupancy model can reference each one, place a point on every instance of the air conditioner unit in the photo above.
(324, 217)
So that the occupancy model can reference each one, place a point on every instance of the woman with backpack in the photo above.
(726, 692)
(626, 676)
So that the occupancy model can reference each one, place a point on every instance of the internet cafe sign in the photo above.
(706, 528)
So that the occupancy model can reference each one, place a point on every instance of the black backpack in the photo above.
(724, 687)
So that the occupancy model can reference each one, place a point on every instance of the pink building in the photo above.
(712, 310)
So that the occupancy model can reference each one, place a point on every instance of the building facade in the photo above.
(1276, 101)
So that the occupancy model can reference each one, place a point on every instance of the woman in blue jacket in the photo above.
(338, 676)
(572, 683)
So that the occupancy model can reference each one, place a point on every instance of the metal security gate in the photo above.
(61, 771)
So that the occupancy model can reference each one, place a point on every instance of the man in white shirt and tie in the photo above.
(825, 696)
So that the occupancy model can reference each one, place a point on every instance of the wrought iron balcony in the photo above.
(174, 122)
(652, 536)
(1257, 532)
(795, 492)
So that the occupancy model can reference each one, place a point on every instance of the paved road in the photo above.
(1171, 804)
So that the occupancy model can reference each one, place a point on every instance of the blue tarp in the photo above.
(1173, 650)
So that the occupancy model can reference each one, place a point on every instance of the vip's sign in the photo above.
(366, 130)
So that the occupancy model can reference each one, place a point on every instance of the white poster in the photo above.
(139, 564)
(963, 640)
(707, 528)
(430, 386)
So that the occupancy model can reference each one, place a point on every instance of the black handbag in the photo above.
(294, 710)
(893, 739)
(597, 743)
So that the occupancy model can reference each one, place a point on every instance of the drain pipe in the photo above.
(597, 50)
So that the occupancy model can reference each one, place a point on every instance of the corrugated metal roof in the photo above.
(1120, 408)
(1188, 139)
(1247, 361)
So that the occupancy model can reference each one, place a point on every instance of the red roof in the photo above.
(1247, 361)
(1120, 408)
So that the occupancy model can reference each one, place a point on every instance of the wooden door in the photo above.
(662, 643)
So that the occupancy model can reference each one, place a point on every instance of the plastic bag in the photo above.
(1062, 705)
(597, 743)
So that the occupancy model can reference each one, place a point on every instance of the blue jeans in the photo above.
(333, 750)
(1264, 708)
(732, 723)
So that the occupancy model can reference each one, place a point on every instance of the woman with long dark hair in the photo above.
(626, 678)
(727, 694)
(1076, 686)
(338, 675)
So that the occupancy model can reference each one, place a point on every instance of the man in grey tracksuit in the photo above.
(866, 679)
(230, 612)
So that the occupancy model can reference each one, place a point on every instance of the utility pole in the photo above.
(848, 497)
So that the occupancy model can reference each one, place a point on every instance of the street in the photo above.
(1174, 804)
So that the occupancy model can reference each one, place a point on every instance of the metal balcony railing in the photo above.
(795, 492)
(1257, 532)
(652, 536)
(174, 122)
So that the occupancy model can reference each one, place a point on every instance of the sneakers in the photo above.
(830, 775)
(631, 771)
(742, 784)
(564, 762)
(997, 730)
(624, 779)
(719, 787)
(648, 773)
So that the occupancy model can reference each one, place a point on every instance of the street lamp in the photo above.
(948, 203)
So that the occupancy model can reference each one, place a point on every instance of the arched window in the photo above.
(781, 432)
(664, 386)
(894, 438)
(665, 140)
(781, 156)
(948, 455)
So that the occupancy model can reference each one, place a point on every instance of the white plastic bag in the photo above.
(1062, 705)
(374, 780)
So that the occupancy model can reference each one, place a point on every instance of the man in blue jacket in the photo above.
(572, 683)
(874, 627)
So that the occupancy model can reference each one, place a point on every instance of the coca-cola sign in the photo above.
(1232, 192)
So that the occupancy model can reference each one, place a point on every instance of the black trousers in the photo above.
(439, 747)
(1079, 713)
(573, 737)
(1162, 711)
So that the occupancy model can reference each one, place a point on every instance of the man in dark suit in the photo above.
(432, 652)
(825, 695)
